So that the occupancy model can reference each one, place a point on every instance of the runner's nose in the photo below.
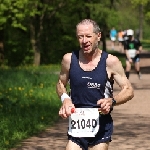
(84, 39)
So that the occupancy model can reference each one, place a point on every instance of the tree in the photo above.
(105, 14)
(141, 4)
(29, 15)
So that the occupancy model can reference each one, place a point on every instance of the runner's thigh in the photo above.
(72, 146)
(101, 146)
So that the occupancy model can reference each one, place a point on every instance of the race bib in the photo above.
(132, 53)
(84, 122)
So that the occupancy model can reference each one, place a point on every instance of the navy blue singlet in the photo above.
(87, 87)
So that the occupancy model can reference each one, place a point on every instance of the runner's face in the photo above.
(130, 37)
(87, 39)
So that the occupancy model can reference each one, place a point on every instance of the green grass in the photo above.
(28, 102)
(120, 56)
(146, 44)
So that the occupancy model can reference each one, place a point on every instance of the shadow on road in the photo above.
(131, 129)
(145, 70)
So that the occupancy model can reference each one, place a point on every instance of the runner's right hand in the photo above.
(65, 110)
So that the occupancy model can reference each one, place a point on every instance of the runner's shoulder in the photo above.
(67, 57)
(112, 60)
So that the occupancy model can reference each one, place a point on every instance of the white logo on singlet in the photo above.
(86, 78)
(93, 85)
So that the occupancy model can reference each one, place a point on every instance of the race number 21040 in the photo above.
(83, 123)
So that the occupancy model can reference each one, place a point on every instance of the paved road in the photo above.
(131, 120)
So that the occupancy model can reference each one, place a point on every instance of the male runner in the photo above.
(91, 73)
(133, 48)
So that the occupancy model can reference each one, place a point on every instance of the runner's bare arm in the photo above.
(140, 49)
(64, 75)
(67, 105)
(118, 73)
(115, 70)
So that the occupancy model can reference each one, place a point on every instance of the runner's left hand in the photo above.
(105, 105)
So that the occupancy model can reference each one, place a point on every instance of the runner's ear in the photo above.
(99, 36)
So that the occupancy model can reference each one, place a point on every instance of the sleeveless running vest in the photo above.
(87, 87)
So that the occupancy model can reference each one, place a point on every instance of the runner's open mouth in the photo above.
(86, 47)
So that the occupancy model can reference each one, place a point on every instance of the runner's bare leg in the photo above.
(137, 66)
(72, 146)
(101, 146)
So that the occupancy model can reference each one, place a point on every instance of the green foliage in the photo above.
(17, 48)
(28, 102)
(137, 2)
(145, 4)
(103, 14)
(120, 56)
(46, 26)
(147, 12)
(146, 44)
(148, 16)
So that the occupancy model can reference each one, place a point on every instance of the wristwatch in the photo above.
(113, 102)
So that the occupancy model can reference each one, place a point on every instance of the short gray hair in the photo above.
(96, 28)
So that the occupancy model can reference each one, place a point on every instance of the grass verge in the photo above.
(28, 102)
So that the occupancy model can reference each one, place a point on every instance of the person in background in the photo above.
(113, 35)
(133, 48)
(120, 40)
(91, 73)
(125, 37)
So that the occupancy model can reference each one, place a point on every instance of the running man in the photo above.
(120, 40)
(113, 35)
(133, 48)
(91, 73)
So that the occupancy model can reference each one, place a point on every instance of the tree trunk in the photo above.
(37, 57)
(111, 4)
(1, 47)
(34, 43)
(104, 40)
(141, 21)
